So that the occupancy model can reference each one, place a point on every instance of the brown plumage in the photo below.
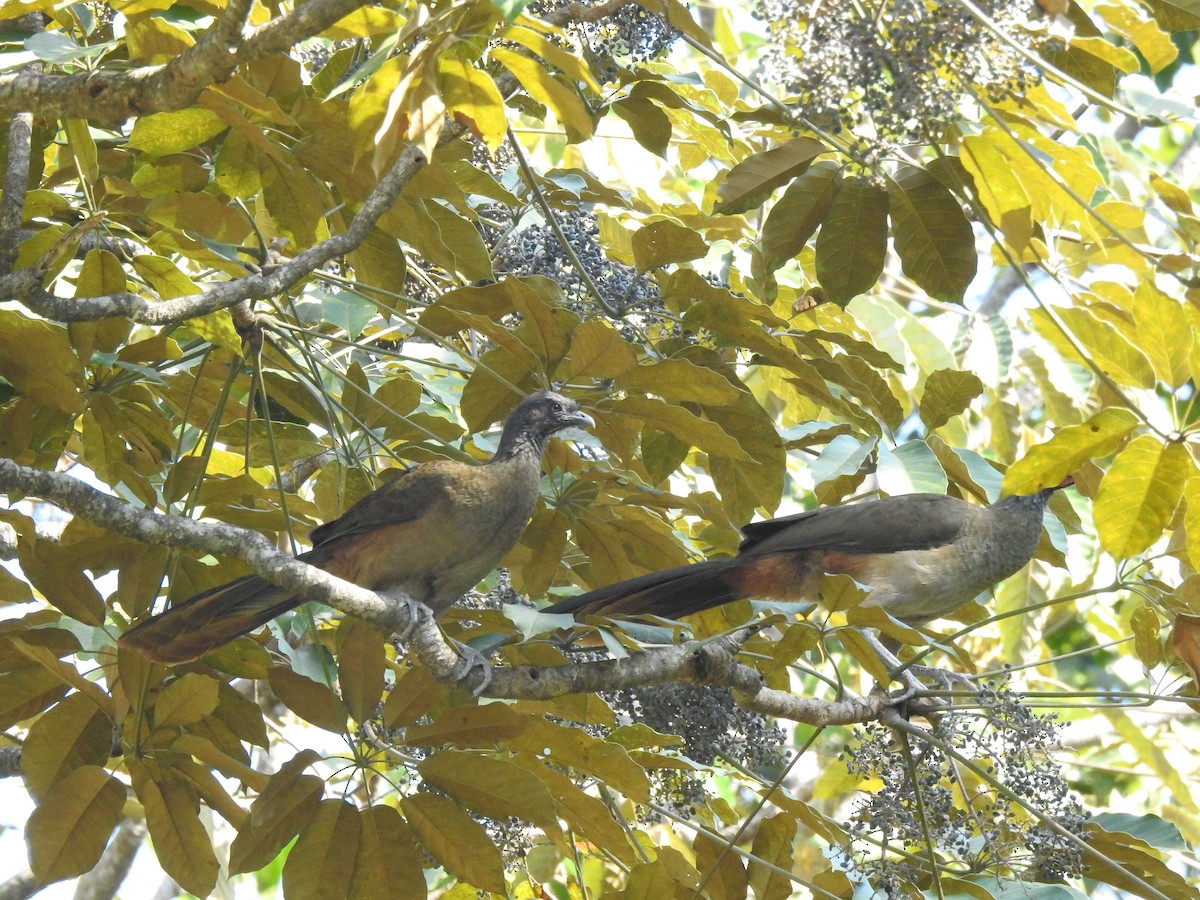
(433, 533)
(921, 555)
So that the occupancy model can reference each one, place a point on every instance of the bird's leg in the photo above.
(412, 607)
(911, 675)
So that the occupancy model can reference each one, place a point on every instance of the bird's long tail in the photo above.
(209, 620)
(671, 593)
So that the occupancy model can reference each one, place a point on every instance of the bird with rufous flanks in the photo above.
(921, 556)
(430, 534)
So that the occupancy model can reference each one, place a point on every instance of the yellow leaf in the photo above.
(185, 700)
(1139, 493)
(773, 844)
(684, 424)
(456, 841)
(597, 351)
(494, 787)
(71, 735)
(564, 102)
(69, 829)
(679, 381)
(37, 359)
(571, 63)
(1145, 624)
(1049, 462)
(181, 843)
(472, 98)
(173, 132)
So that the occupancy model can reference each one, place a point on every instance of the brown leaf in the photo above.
(185, 700)
(181, 843)
(313, 702)
(289, 800)
(321, 865)
(68, 831)
(72, 734)
(456, 841)
(360, 667)
(1185, 641)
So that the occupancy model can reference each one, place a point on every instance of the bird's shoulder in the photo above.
(404, 498)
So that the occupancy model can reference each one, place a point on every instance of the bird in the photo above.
(921, 556)
(431, 534)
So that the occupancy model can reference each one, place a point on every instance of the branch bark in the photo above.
(708, 663)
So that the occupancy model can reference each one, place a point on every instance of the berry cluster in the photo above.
(926, 792)
(891, 72)
(536, 250)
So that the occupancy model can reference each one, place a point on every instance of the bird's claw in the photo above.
(415, 610)
(470, 659)
(943, 679)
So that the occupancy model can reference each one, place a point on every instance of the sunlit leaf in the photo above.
(1048, 463)
(772, 844)
(660, 243)
(1139, 493)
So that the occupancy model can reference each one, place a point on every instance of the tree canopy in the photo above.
(258, 258)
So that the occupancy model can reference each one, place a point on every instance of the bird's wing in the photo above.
(889, 525)
(403, 499)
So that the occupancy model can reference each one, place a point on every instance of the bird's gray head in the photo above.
(536, 418)
(1038, 498)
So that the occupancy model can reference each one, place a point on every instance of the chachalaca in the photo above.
(921, 555)
(432, 533)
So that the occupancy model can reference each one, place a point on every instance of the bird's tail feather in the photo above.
(670, 593)
(209, 620)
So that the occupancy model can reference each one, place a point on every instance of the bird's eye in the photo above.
(558, 407)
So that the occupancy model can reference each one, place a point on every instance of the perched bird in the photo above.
(921, 555)
(431, 533)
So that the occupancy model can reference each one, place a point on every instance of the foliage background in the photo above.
(256, 258)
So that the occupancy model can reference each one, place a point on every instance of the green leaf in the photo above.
(852, 244)
(933, 238)
(948, 392)
(659, 243)
(1050, 462)
(1139, 494)
(456, 841)
(751, 181)
(68, 831)
(772, 844)
(313, 702)
(388, 862)
(36, 358)
(173, 132)
(650, 125)
(597, 351)
(1148, 829)
(910, 468)
(796, 216)
(360, 667)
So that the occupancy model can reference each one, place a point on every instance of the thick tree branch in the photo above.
(110, 97)
(709, 663)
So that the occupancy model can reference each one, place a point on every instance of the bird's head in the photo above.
(539, 416)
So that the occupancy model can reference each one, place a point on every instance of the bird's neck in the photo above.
(519, 444)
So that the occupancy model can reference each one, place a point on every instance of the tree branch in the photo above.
(111, 97)
(708, 663)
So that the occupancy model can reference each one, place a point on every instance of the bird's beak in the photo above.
(579, 419)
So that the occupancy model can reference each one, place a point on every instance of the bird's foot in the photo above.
(414, 610)
(944, 680)
(470, 659)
